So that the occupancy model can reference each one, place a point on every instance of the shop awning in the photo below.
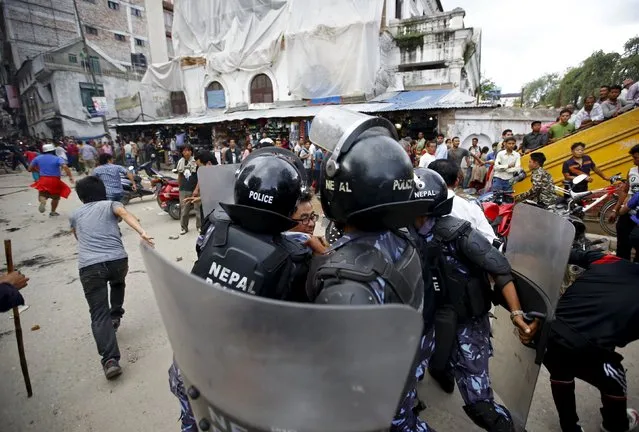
(394, 101)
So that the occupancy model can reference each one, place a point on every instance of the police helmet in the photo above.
(267, 187)
(431, 188)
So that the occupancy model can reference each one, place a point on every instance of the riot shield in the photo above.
(539, 245)
(216, 185)
(254, 364)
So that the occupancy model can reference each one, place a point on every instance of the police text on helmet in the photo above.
(230, 278)
(402, 184)
(342, 186)
(268, 199)
(425, 193)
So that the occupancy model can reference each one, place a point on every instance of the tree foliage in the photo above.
(599, 69)
(488, 89)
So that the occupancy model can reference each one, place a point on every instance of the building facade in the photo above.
(404, 44)
(57, 91)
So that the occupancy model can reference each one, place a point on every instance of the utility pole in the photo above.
(88, 59)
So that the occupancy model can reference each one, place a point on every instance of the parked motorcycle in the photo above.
(139, 192)
(169, 198)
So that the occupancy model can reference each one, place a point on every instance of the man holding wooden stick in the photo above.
(10, 286)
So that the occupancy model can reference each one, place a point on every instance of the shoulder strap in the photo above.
(449, 228)
(221, 233)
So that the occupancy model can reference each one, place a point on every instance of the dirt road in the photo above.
(70, 391)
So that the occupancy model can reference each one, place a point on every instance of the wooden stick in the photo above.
(18, 325)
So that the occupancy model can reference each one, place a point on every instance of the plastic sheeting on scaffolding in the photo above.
(332, 46)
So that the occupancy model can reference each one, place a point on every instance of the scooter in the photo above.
(169, 197)
(139, 192)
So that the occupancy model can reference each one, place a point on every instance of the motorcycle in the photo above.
(139, 192)
(169, 197)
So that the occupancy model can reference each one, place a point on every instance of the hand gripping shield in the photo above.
(538, 249)
(216, 185)
(252, 364)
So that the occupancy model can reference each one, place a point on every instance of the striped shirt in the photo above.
(111, 176)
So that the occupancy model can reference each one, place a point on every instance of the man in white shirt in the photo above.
(442, 149)
(507, 164)
(298, 146)
(462, 208)
(589, 115)
(429, 156)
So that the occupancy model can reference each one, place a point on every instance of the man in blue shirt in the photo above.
(49, 185)
(111, 175)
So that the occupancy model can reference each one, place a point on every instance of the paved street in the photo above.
(70, 392)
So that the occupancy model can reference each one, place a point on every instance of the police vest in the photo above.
(263, 265)
(361, 263)
(457, 282)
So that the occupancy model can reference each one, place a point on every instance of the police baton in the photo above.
(18, 325)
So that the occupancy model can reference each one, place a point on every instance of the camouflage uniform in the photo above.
(472, 348)
(392, 247)
(542, 190)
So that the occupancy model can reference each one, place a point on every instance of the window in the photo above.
(215, 95)
(88, 91)
(139, 42)
(93, 64)
(90, 30)
(120, 37)
(73, 58)
(178, 103)
(261, 89)
(90, 1)
(136, 12)
(113, 5)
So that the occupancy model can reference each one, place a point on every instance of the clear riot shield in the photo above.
(538, 249)
(253, 364)
(216, 185)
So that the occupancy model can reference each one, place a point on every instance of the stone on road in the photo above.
(70, 392)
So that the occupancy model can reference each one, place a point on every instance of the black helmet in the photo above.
(373, 185)
(431, 188)
(267, 187)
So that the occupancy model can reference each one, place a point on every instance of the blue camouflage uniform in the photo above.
(472, 348)
(392, 247)
(176, 383)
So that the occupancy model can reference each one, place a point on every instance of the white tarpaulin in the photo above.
(333, 47)
(232, 34)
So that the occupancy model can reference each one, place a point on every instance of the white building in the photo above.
(56, 91)
(287, 53)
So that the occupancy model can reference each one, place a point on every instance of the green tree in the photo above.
(487, 89)
(584, 80)
(542, 91)
(629, 63)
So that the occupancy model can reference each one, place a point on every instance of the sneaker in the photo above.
(42, 207)
(54, 214)
(112, 369)
(445, 380)
(116, 323)
(633, 420)
(184, 231)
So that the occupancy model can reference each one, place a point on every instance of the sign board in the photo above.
(99, 105)
(127, 102)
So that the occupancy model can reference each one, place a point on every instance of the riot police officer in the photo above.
(366, 186)
(460, 260)
(242, 248)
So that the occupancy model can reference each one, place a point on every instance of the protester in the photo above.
(625, 86)
(306, 218)
(233, 154)
(615, 105)
(10, 286)
(49, 185)
(633, 94)
(429, 156)
(542, 191)
(187, 179)
(421, 143)
(478, 174)
(562, 128)
(306, 157)
(507, 164)
(103, 260)
(625, 224)
(604, 90)
(631, 208)
(247, 150)
(591, 114)
(442, 147)
(462, 209)
(580, 163)
(457, 153)
(72, 153)
(535, 139)
(318, 158)
(106, 148)
(61, 152)
(88, 157)
(111, 175)
(473, 160)
(598, 313)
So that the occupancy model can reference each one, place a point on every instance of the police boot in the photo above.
(490, 416)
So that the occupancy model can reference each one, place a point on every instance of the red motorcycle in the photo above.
(498, 208)
(168, 197)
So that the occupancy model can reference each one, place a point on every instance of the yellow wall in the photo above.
(607, 144)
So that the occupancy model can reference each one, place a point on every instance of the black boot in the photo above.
(486, 416)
